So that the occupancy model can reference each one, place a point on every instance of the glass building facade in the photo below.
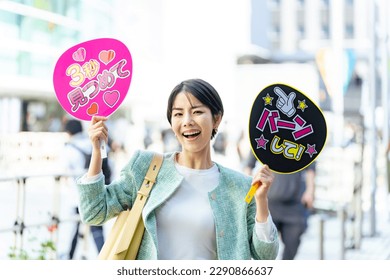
(34, 34)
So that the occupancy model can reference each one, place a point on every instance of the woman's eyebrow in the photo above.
(192, 107)
(198, 106)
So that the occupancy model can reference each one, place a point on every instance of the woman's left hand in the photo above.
(264, 178)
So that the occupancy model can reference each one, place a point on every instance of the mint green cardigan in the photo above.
(234, 219)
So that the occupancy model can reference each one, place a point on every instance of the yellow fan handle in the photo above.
(251, 193)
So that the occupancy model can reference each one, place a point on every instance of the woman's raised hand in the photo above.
(98, 131)
(264, 179)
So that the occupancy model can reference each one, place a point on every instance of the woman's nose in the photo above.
(188, 120)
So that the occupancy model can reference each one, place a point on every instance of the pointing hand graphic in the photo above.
(285, 102)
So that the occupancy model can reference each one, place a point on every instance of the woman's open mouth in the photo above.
(192, 134)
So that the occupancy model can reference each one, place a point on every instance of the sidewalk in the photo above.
(375, 247)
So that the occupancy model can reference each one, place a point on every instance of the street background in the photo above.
(336, 52)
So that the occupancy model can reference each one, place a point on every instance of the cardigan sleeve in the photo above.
(99, 203)
(261, 249)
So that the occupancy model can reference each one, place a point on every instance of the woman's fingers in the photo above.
(100, 133)
(96, 119)
(263, 176)
(98, 130)
(267, 175)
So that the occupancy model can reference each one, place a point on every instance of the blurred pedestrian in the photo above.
(388, 166)
(290, 201)
(76, 157)
(388, 174)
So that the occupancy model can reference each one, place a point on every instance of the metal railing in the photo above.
(339, 194)
(19, 226)
(25, 158)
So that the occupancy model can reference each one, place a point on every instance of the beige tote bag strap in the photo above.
(131, 231)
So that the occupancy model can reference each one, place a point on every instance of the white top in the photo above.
(185, 222)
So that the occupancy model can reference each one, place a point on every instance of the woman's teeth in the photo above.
(191, 135)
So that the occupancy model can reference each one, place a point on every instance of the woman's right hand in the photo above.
(97, 132)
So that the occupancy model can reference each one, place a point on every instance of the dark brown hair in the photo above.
(202, 91)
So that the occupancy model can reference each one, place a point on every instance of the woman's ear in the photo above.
(217, 121)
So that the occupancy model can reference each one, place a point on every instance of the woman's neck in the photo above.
(194, 160)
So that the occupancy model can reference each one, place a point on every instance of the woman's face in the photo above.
(192, 122)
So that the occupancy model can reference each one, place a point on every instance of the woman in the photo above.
(196, 209)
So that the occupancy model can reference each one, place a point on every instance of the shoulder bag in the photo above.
(125, 237)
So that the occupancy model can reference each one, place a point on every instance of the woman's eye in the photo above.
(198, 112)
(177, 114)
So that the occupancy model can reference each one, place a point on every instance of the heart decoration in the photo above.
(93, 109)
(106, 56)
(93, 78)
(79, 55)
(287, 131)
(111, 97)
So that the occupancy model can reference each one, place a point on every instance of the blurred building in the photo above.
(34, 34)
(302, 31)
(293, 26)
(159, 33)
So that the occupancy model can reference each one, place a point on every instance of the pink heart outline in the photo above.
(79, 55)
(111, 98)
